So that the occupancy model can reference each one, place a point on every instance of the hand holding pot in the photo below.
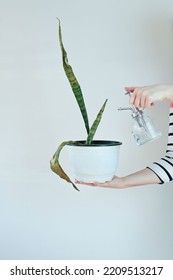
(139, 178)
(116, 183)
(146, 96)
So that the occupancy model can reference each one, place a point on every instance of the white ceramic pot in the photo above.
(94, 163)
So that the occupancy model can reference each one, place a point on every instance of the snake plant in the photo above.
(54, 163)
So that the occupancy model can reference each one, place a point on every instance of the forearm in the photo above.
(139, 178)
(163, 92)
(168, 92)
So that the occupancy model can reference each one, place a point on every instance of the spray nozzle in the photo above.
(136, 114)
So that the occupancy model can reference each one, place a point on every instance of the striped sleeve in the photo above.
(164, 167)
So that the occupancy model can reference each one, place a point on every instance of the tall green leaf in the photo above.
(95, 124)
(56, 167)
(73, 82)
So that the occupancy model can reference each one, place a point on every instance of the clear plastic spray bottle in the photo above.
(144, 128)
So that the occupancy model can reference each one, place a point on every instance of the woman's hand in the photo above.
(139, 178)
(146, 96)
(116, 183)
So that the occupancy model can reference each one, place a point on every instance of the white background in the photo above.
(110, 44)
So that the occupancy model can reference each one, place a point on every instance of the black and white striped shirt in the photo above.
(164, 167)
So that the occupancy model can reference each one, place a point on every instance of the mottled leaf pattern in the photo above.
(56, 167)
(73, 82)
(95, 124)
(54, 163)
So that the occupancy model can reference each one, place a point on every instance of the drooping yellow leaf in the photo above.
(56, 167)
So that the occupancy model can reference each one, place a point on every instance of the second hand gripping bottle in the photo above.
(144, 129)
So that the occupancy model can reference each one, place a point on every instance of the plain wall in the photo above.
(110, 44)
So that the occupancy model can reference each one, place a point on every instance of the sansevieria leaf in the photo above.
(95, 124)
(73, 82)
(56, 167)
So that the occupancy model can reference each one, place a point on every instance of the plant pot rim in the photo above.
(95, 143)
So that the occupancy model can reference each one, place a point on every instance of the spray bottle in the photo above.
(144, 128)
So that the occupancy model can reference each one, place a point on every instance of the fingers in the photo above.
(133, 97)
(87, 184)
(140, 97)
(143, 101)
(84, 183)
(136, 99)
(94, 184)
(114, 183)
